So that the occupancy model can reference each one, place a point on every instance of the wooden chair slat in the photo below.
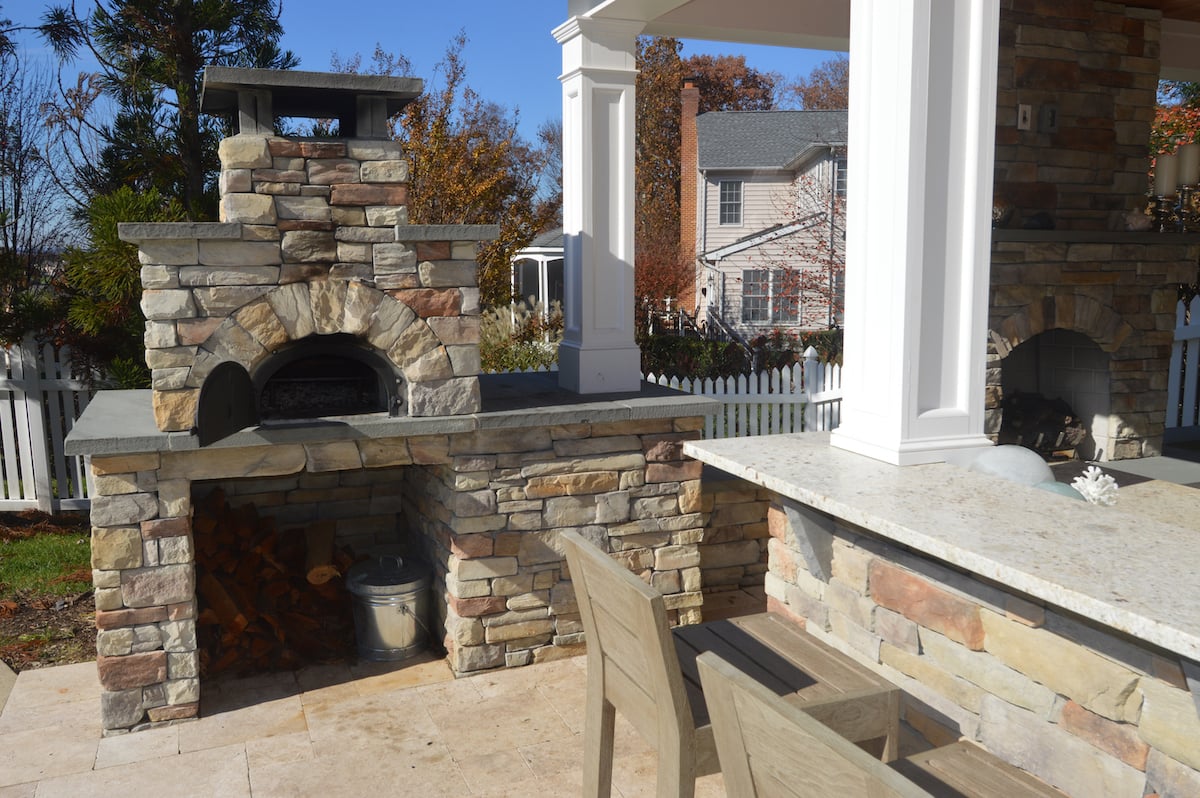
(824, 664)
(964, 768)
(769, 746)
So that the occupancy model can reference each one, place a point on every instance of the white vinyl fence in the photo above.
(1183, 380)
(39, 403)
(800, 398)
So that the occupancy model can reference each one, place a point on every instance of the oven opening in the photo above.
(330, 376)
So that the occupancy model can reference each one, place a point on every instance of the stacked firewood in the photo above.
(1048, 426)
(268, 600)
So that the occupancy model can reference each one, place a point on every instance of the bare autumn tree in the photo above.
(812, 261)
(726, 84)
(469, 165)
(826, 88)
(34, 225)
(659, 269)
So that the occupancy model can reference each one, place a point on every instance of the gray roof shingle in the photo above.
(764, 139)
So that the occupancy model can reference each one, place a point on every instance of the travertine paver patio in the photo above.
(331, 731)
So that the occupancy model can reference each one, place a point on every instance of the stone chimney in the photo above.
(689, 97)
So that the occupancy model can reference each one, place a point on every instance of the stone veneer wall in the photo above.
(485, 506)
(1097, 63)
(493, 510)
(313, 239)
(733, 552)
(1121, 295)
(1082, 708)
(364, 505)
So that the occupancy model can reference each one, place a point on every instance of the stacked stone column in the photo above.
(144, 578)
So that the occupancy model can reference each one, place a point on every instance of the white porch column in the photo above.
(921, 145)
(598, 353)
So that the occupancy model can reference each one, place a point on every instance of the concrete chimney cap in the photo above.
(305, 94)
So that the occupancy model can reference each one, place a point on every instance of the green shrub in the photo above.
(691, 357)
(696, 358)
(520, 336)
(782, 348)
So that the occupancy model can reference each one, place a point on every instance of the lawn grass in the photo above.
(54, 564)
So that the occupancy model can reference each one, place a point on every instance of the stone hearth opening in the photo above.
(1066, 365)
(271, 558)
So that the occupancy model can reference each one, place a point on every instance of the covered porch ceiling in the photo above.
(825, 24)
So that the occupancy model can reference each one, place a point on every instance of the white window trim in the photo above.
(721, 202)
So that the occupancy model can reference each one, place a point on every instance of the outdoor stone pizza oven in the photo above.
(312, 296)
(316, 357)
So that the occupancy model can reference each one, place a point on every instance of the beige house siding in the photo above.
(765, 200)
(769, 199)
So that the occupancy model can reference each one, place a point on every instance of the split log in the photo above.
(318, 564)
(257, 609)
(214, 594)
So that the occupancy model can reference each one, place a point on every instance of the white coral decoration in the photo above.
(1096, 486)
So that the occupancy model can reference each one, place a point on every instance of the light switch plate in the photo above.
(1024, 117)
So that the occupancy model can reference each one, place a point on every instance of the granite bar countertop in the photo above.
(1126, 570)
(122, 422)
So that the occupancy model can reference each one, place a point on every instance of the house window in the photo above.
(839, 177)
(731, 202)
(756, 295)
(770, 295)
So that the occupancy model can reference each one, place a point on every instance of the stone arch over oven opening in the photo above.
(1062, 348)
(283, 318)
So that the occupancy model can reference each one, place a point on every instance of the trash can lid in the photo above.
(387, 575)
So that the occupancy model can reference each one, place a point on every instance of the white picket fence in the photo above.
(800, 398)
(1183, 380)
(39, 402)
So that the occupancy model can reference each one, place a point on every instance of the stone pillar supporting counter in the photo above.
(1061, 636)
(483, 497)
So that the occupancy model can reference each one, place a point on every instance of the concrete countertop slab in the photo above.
(122, 422)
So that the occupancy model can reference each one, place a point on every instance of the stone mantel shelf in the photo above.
(122, 422)
(1127, 572)
(1091, 237)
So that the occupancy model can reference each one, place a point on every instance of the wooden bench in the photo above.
(638, 667)
(839, 692)
(769, 747)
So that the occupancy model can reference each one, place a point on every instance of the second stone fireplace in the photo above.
(1071, 176)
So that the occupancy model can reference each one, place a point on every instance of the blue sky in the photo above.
(511, 57)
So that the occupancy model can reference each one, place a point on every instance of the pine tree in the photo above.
(151, 55)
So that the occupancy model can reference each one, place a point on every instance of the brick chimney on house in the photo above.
(689, 96)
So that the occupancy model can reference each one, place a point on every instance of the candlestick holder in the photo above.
(1164, 212)
(1188, 216)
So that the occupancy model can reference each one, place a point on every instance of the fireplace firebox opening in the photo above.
(1068, 369)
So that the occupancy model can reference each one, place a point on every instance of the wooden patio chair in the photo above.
(769, 747)
(634, 667)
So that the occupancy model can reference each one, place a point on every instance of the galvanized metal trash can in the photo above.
(391, 607)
